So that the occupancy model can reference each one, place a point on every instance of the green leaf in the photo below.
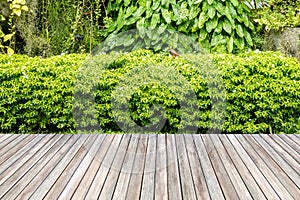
(227, 26)
(211, 24)
(239, 30)
(154, 20)
(162, 28)
(210, 2)
(202, 35)
(165, 2)
(142, 2)
(248, 38)
(10, 51)
(198, 1)
(139, 11)
(128, 41)
(205, 7)
(230, 45)
(220, 8)
(184, 27)
(8, 37)
(129, 11)
(202, 19)
(231, 9)
(211, 12)
(126, 3)
(155, 5)
(216, 38)
(166, 15)
(235, 2)
(195, 10)
(219, 28)
(239, 42)
(245, 19)
(141, 27)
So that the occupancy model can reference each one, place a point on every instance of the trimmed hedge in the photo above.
(36, 94)
(262, 92)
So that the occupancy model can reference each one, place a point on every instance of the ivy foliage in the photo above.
(262, 92)
(218, 25)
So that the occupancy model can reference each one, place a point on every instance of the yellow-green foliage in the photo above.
(262, 92)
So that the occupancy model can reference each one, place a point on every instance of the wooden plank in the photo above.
(214, 188)
(53, 168)
(291, 188)
(63, 179)
(51, 179)
(295, 146)
(174, 185)
(285, 155)
(237, 181)
(99, 180)
(18, 152)
(13, 147)
(187, 185)
(114, 172)
(248, 179)
(294, 137)
(285, 166)
(24, 180)
(136, 178)
(124, 177)
(7, 140)
(19, 168)
(149, 170)
(251, 165)
(161, 177)
(70, 188)
(287, 148)
(264, 168)
(222, 175)
(90, 174)
(4, 137)
(200, 186)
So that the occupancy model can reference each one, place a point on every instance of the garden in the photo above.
(167, 66)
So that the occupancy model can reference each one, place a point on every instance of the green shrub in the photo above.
(36, 94)
(262, 92)
(278, 15)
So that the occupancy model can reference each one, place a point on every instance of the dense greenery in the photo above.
(278, 14)
(217, 25)
(262, 92)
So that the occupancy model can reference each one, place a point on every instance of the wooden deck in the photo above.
(150, 167)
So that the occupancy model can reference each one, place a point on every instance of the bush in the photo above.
(262, 92)
(36, 94)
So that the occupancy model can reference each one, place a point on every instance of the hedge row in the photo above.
(262, 92)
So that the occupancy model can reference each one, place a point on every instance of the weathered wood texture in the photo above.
(149, 166)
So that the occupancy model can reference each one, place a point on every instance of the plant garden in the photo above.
(50, 48)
